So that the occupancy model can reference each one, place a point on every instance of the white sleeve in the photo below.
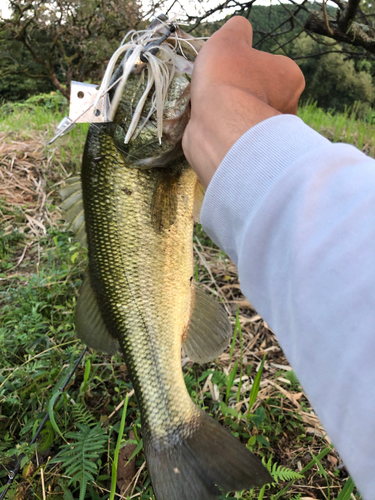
(297, 215)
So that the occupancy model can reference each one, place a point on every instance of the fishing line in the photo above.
(13, 473)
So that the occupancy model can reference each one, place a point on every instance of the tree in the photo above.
(334, 45)
(346, 81)
(350, 23)
(64, 39)
(15, 85)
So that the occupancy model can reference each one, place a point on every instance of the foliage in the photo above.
(78, 458)
(280, 473)
(16, 84)
(64, 40)
(54, 101)
(38, 348)
(344, 81)
(351, 24)
(343, 127)
(43, 48)
(347, 78)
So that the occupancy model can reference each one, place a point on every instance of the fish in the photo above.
(134, 207)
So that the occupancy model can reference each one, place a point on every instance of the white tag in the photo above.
(81, 109)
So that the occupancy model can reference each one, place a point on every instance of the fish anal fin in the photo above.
(192, 468)
(209, 330)
(90, 326)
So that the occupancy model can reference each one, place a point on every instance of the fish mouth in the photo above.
(134, 160)
(163, 102)
(145, 150)
(161, 161)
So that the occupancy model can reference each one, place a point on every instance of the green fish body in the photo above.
(138, 203)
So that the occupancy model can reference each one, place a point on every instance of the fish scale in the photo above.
(139, 293)
(137, 297)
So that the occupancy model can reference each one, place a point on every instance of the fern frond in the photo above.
(278, 472)
(67, 494)
(83, 416)
(78, 458)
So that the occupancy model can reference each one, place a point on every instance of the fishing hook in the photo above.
(153, 47)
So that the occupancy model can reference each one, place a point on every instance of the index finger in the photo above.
(226, 51)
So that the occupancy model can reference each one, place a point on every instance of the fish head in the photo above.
(144, 149)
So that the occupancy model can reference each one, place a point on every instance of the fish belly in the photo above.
(141, 271)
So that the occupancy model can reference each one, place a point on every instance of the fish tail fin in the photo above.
(194, 467)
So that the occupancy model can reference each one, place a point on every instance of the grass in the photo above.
(342, 127)
(250, 388)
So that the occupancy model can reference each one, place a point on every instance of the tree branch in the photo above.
(347, 16)
(23, 72)
(358, 34)
(353, 54)
(274, 32)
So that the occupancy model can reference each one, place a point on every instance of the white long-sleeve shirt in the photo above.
(297, 216)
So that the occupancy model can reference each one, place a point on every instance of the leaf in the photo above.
(78, 458)
(347, 490)
(48, 436)
(117, 449)
(322, 472)
(74, 256)
(51, 413)
(259, 416)
(232, 376)
(255, 389)
(263, 440)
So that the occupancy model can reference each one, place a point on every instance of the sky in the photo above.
(4, 8)
(190, 6)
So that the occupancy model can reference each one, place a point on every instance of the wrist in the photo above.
(219, 118)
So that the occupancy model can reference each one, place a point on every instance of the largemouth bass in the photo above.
(138, 203)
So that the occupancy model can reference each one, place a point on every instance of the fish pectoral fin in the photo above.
(209, 330)
(90, 326)
(191, 468)
(73, 207)
(198, 201)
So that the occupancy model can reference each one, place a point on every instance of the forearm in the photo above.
(296, 214)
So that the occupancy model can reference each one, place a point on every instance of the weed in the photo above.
(341, 127)
(250, 388)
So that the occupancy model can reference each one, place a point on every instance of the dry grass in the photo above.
(218, 273)
(30, 176)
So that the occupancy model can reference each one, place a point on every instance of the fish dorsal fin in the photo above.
(73, 207)
(209, 329)
(198, 201)
(90, 326)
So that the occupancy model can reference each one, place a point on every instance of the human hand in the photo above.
(233, 88)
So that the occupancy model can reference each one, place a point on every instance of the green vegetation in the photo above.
(39, 53)
(346, 81)
(45, 42)
(250, 388)
(342, 127)
(334, 79)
